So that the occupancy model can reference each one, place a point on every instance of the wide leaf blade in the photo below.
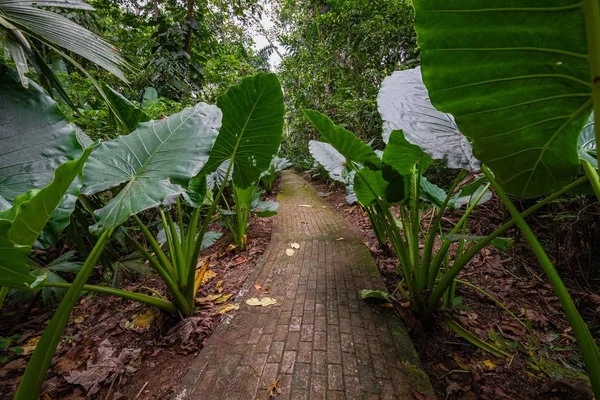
(330, 159)
(518, 85)
(154, 163)
(252, 128)
(404, 104)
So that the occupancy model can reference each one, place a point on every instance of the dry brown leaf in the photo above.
(80, 318)
(31, 344)
(219, 286)
(229, 249)
(340, 238)
(238, 260)
(305, 205)
(295, 246)
(257, 286)
(290, 252)
(489, 364)
(209, 298)
(273, 390)
(226, 308)
(223, 299)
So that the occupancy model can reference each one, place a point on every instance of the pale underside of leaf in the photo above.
(404, 104)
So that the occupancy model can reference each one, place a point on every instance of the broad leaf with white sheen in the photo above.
(330, 159)
(252, 127)
(404, 104)
(515, 76)
(154, 162)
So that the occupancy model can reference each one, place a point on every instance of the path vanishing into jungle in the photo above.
(321, 340)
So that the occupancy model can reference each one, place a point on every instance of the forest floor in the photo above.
(118, 349)
(545, 362)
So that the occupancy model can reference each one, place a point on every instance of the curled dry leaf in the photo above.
(224, 298)
(273, 390)
(265, 301)
(219, 286)
(290, 252)
(226, 308)
(209, 298)
(143, 321)
(295, 246)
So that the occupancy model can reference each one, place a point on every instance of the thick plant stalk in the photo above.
(592, 175)
(585, 341)
(449, 276)
(124, 294)
(3, 293)
(34, 375)
(591, 12)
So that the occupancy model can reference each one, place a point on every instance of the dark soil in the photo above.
(545, 362)
(104, 358)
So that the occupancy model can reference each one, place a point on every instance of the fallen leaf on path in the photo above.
(238, 260)
(290, 252)
(273, 390)
(338, 239)
(305, 205)
(209, 298)
(489, 364)
(223, 299)
(295, 246)
(219, 286)
(208, 275)
(226, 308)
(265, 301)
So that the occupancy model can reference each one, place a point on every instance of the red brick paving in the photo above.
(321, 340)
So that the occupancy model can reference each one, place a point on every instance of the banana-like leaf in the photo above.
(252, 128)
(330, 159)
(56, 30)
(128, 112)
(36, 138)
(21, 224)
(351, 147)
(432, 192)
(209, 238)
(404, 104)
(370, 185)
(155, 163)
(518, 86)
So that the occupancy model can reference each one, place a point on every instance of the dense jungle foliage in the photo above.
(131, 130)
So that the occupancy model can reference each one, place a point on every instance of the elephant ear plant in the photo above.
(152, 167)
(522, 91)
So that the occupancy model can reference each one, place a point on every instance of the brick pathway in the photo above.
(321, 340)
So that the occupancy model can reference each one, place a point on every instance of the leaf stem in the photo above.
(591, 12)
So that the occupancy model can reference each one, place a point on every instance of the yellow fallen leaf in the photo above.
(295, 246)
(305, 205)
(199, 278)
(210, 297)
(338, 239)
(208, 275)
(223, 299)
(229, 248)
(226, 308)
(273, 390)
(265, 301)
(219, 286)
(80, 318)
(142, 321)
(31, 344)
(489, 364)
(289, 252)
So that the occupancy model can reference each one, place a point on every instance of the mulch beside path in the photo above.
(459, 370)
(102, 357)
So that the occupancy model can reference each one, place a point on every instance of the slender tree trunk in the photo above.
(189, 18)
(155, 6)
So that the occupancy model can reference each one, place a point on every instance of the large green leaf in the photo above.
(515, 75)
(252, 128)
(154, 163)
(402, 155)
(35, 137)
(351, 147)
(370, 185)
(21, 224)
